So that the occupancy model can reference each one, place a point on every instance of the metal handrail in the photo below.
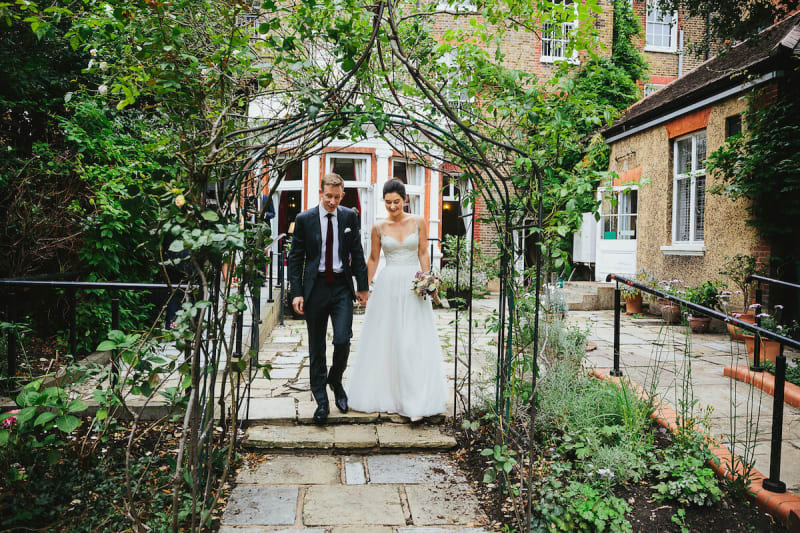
(773, 482)
(15, 285)
(708, 312)
(756, 277)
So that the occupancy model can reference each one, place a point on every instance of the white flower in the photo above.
(103, 66)
(103, 89)
(93, 52)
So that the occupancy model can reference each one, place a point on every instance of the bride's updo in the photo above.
(394, 185)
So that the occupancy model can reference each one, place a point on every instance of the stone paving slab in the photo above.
(413, 436)
(273, 410)
(305, 414)
(355, 436)
(412, 469)
(439, 530)
(261, 506)
(354, 472)
(442, 503)
(290, 437)
(333, 505)
(293, 470)
(230, 529)
(362, 529)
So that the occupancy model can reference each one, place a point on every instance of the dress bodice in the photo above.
(401, 253)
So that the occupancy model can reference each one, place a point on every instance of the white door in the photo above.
(616, 232)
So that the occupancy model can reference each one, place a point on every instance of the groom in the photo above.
(324, 256)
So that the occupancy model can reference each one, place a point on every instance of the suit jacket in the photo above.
(306, 250)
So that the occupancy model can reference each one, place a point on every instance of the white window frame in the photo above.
(622, 211)
(562, 38)
(415, 186)
(650, 88)
(692, 246)
(673, 39)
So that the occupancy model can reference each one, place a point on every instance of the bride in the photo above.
(397, 367)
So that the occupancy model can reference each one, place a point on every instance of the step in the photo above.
(374, 438)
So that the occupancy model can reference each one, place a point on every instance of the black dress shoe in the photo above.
(341, 398)
(321, 414)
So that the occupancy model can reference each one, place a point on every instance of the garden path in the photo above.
(734, 406)
(360, 472)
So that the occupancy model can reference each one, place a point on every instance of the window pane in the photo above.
(399, 171)
(699, 207)
(294, 171)
(701, 151)
(682, 210)
(733, 125)
(684, 156)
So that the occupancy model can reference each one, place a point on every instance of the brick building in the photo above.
(670, 225)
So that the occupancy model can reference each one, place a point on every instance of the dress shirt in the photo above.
(323, 225)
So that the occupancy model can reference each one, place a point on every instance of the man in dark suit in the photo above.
(322, 286)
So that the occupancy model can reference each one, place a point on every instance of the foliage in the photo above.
(575, 506)
(792, 371)
(762, 167)
(683, 475)
(502, 460)
(706, 294)
(554, 300)
(738, 268)
(625, 52)
(644, 277)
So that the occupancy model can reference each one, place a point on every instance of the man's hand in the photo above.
(297, 304)
(362, 297)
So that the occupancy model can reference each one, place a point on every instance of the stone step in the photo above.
(287, 411)
(362, 438)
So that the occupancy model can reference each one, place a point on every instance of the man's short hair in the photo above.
(333, 179)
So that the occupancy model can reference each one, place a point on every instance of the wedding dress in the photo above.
(397, 366)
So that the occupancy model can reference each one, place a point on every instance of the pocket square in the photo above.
(347, 230)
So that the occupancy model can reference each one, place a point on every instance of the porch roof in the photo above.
(766, 52)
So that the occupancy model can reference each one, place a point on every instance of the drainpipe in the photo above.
(708, 35)
(680, 53)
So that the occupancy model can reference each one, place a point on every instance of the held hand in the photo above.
(362, 297)
(297, 304)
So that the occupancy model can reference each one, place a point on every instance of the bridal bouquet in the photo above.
(426, 284)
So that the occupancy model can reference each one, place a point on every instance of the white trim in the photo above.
(684, 249)
(698, 105)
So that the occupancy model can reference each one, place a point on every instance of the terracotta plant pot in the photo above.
(633, 305)
(750, 318)
(770, 350)
(699, 324)
(670, 312)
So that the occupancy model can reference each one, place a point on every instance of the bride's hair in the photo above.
(396, 186)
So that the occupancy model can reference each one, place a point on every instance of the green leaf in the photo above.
(102, 414)
(44, 418)
(106, 346)
(53, 456)
(76, 406)
(68, 423)
(176, 246)
(211, 216)
(3, 437)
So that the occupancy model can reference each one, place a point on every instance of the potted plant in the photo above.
(706, 294)
(554, 302)
(770, 349)
(738, 268)
(632, 295)
(670, 311)
(458, 294)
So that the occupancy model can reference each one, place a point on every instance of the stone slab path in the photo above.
(404, 493)
(735, 407)
(350, 475)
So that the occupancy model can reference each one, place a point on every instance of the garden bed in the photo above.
(646, 514)
(79, 485)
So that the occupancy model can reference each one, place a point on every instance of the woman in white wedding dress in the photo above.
(397, 367)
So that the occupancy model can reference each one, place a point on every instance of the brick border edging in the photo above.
(783, 507)
(764, 381)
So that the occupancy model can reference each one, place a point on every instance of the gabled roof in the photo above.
(766, 52)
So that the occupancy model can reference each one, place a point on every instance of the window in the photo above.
(661, 29)
(618, 211)
(414, 178)
(689, 189)
(650, 88)
(733, 125)
(555, 37)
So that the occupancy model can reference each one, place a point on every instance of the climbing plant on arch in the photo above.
(232, 86)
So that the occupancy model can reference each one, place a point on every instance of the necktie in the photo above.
(329, 250)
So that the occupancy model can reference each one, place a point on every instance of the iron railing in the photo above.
(773, 482)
